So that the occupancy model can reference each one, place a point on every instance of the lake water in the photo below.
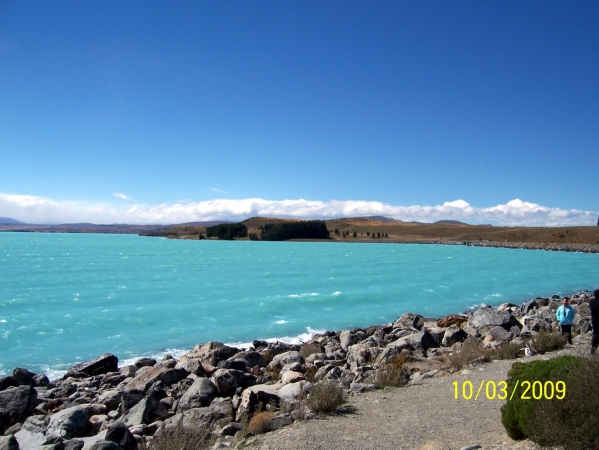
(65, 298)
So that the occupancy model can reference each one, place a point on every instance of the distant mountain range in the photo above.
(7, 224)
(9, 221)
(450, 222)
(382, 219)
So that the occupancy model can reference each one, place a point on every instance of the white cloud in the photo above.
(122, 196)
(32, 209)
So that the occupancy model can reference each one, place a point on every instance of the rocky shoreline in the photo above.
(101, 405)
(552, 247)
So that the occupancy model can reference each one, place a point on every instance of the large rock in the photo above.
(32, 433)
(358, 355)
(8, 443)
(436, 332)
(452, 335)
(6, 382)
(256, 398)
(68, 423)
(110, 398)
(101, 365)
(192, 365)
(292, 377)
(409, 320)
(251, 358)
(23, 377)
(193, 418)
(452, 319)
(292, 390)
(28, 439)
(211, 353)
(279, 421)
(422, 340)
(130, 398)
(105, 445)
(119, 433)
(286, 358)
(400, 344)
(225, 381)
(137, 415)
(498, 334)
(148, 377)
(200, 394)
(16, 404)
(222, 408)
(484, 319)
(348, 337)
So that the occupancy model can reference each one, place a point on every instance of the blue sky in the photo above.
(154, 112)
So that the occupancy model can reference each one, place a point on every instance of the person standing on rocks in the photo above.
(594, 307)
(565, 316)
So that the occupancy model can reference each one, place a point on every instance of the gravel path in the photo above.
(423, 417)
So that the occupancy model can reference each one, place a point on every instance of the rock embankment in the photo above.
(552, 247)
(101, 405)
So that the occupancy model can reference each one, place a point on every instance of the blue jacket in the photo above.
(565, 316)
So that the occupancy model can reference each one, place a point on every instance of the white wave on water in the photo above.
(293, 340)
(53, 373)
(280, 322)
(158, 356)
(337, 293)
(311, 294)
(482, 305)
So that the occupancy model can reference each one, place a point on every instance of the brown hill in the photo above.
(395, 230)
(464, 232)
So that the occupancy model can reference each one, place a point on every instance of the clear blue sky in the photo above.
(399, 102)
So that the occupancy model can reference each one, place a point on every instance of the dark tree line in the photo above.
(227, 231)
(309, 229)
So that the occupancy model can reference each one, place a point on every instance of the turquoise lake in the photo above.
(65, 298)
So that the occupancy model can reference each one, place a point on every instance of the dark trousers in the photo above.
(595, 340)
(567, 330)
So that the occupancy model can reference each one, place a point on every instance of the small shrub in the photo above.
(547, 341)
(573, 422)
(259, 422)
(181, 438)
(508, 350)
(517, 412)
(325, 396)
(392, 373)
(470, 351)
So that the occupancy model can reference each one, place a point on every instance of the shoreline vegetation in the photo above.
(224, 396)
(374, 229)
(566, 239)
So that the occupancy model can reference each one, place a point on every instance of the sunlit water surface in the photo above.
(65, 298)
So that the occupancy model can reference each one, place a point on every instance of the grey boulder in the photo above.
(120, 434)
(16, 404)
(68, 423)
(9, 443)
(200, 394)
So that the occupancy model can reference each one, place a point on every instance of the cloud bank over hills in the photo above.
(34, 209)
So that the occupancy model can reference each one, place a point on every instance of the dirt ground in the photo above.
(422, 417)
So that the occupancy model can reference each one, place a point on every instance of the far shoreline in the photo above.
(554, 247)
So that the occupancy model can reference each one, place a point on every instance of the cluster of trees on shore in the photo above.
(345, 234)
(308, 229)
(227, 231)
